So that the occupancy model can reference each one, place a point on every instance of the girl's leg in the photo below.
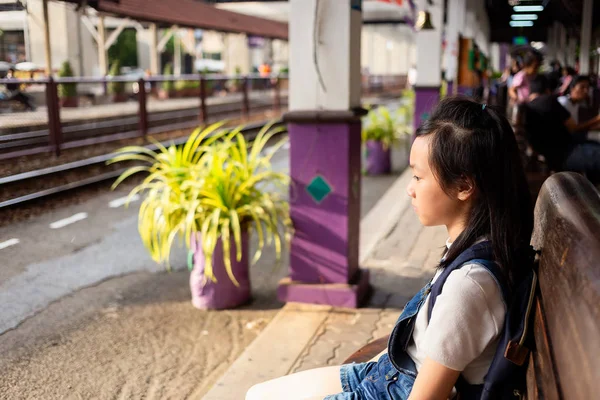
(314, 383)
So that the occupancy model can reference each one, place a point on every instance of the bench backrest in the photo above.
(566, 364)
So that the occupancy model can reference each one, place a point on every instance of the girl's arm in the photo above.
(434, 382)
(512, 93)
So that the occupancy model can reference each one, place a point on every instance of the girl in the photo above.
(468, 177)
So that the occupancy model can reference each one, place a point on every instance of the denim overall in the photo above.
(381, 380)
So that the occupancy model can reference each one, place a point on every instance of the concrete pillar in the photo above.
(429, 62)
(495, 56)
(147, 49)
(102, 56)
(551, 44)
(154, 54)
(562, 45)
(456, 12)
(236, 53)
(325, 154)
(571, 49)
(177, 55)
(586, 37)
(47, 45)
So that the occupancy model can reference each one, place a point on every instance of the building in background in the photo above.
(73, 33)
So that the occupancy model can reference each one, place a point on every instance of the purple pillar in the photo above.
(503, 55)
(426, 98)
(465, 90)
(450, 88)
(325, 167)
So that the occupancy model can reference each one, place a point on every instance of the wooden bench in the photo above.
(566, 361)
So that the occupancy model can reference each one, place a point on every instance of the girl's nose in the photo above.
(410, 191)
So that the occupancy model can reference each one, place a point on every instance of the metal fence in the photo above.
(77, 112)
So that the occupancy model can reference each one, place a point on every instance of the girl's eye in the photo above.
(416, 178)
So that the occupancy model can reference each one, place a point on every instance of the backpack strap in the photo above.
(480, 253)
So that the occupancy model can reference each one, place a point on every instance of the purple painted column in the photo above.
(450, 89)
(503, 55)
(426, 98)
(325, 167)
(465, 90)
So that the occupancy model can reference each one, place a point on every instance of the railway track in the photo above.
(85, 133)
(41, 183)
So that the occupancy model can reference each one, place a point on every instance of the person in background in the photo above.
(510, 72)
(13, 91)
(577, 98)
(568, 76)
(550, 129)
(554, 75)
(519, 90)
(578, 103)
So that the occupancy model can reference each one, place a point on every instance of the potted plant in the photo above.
(116, 89)
(383, 128)
(284, 80)
(67, 92)
(187, 88)
(211, 193)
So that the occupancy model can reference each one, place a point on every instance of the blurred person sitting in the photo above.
(550, 129)
(577, 98)
(568, 76)
(13, 92)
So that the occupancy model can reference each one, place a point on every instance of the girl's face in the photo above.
(532, 69)
(432, 205)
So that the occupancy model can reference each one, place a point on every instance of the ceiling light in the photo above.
(528, 8)
(521, 23)
(537, 45)
(524, 17)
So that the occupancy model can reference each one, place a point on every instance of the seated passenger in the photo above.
(550, 131)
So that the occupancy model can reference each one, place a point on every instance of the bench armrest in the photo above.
(368, 351)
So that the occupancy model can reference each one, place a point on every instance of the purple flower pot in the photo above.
(378, 161)
(223, 293)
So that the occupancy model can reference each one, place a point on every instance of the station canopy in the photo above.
(190, 14)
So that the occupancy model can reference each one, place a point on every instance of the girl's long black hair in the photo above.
(472, 141)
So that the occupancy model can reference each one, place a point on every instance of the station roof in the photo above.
(567, 12)
(191, 14)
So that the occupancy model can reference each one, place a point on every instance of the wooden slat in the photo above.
(368, 351)
(541, 373)
(567, 231)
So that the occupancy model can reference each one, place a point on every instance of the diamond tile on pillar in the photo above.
(319, 189)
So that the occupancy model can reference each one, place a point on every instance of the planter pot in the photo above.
(119, 97)
(222, 294)
(168, 94)
(378, 160)
(72, 101)
(189, 92)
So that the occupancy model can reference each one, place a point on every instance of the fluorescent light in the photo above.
(537, 45)
(521, 23)
(528, 8)
(524, 17)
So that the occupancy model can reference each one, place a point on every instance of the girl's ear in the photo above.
(465, 189)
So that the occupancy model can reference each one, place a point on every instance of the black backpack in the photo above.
(506, 378)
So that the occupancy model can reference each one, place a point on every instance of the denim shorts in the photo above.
(375, 381)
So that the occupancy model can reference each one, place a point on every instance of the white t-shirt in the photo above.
(571, 107)
(465, 324)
